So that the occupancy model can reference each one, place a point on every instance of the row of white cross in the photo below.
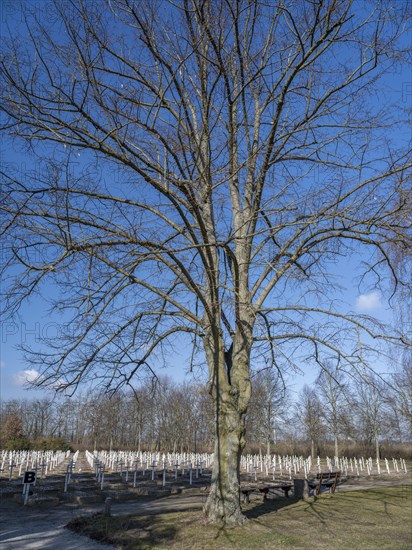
(361, 465)
(114, 460)
(125, 463)
(274, 465)
(40, 461)
(69, 472)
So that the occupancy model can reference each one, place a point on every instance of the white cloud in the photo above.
(24, 377)
(368, 302)
(2, 365)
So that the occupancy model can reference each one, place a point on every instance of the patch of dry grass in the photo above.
(371, 519)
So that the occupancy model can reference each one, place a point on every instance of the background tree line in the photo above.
(336, 415)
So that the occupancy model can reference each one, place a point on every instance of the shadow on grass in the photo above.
(144, 532)
(346, 517)
(325, 507)
(268, 507)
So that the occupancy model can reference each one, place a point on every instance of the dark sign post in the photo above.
(29, 478)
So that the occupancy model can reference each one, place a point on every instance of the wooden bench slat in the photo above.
(265, 489)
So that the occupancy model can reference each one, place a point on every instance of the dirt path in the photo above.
(23, 528)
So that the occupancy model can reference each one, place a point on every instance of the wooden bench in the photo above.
(265, 490)
(325, 479)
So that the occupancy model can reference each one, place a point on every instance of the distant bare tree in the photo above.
(399, 398)
(309, 409)
(267, 409)
(12, 427)
(370, 407)
(199, 168)
(335, 401)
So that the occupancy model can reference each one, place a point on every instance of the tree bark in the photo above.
(223, 503)
(312, 448)
(377, 449)
(230, 388)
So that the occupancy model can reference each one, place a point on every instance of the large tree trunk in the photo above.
(223, 503)
(230, 388)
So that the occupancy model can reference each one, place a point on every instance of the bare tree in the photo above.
(139, 413)
(12, 428)
(371, 411)
(267, 409)
(335, 401)
(309, 409)
(400, 399)
(198, 170)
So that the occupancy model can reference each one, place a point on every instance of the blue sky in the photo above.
(36, 325)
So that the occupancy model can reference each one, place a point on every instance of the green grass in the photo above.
(371, 519)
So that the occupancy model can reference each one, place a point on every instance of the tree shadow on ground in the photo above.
(322, 508)
(144, 531)
(255, 510)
